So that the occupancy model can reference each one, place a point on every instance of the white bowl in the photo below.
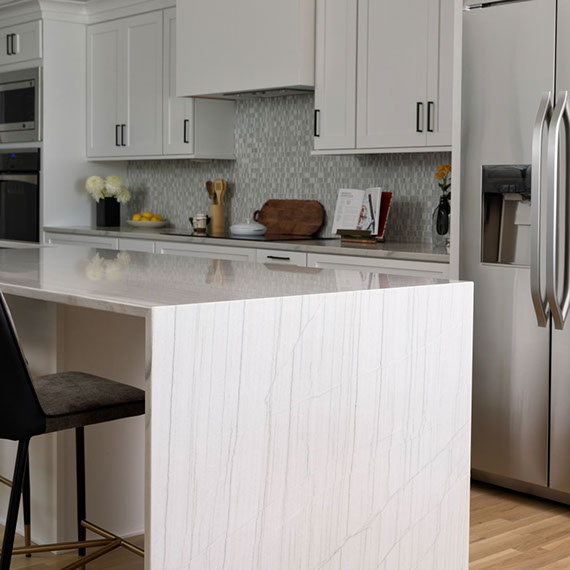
(147, 225)
(250, 228)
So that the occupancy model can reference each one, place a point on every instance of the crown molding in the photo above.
(88, 12)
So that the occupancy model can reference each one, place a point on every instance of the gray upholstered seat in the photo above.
(76, 399)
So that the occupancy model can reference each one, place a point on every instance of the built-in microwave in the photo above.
(20, 105)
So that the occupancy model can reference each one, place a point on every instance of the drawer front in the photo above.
(208, 251)
(128, 244)
(282, 257)
(390, 266)
(87, 241)
(21, 42)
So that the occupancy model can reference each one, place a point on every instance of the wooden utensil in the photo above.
(217, 190)
(291, 217)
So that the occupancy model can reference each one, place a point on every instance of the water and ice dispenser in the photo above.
(506, 214)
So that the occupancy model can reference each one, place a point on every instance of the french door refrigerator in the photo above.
(515, 239)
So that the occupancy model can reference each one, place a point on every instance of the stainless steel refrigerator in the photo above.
(515, 239)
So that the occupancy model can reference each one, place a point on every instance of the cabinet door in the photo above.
(21, 42)
(440, 73)
(143, 85)
(335, 74)
(104, 88)
(392, 73)
(178, 111)
(208, 251)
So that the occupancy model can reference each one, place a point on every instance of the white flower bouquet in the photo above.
(110, 187)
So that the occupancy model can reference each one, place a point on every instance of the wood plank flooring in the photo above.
(508, 530)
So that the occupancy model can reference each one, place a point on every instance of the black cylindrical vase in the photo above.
(108, 212)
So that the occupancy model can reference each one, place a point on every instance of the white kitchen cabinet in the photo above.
(124, 82)
(389, 266)
(285, 257)
(102, 242)
(335, 74)
(398, 93)
(21, 42)
(201, 128)
(130, 244)
(231, 46)
(208, 251)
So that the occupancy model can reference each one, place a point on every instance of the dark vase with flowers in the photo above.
(441, 218)
(108, 213)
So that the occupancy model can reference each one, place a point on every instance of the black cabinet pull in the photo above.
(8, 44)
(13, 43)
(316, 129)
(186, 126)
(117, 135)
(123, 127)
(431, 113)
(279, 258)
(419, 117)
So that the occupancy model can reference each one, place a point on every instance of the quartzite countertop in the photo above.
(388, 250)
(295, 417)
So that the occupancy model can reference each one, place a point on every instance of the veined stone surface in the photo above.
(322, 432)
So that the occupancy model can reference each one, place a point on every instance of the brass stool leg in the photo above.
(27, 508)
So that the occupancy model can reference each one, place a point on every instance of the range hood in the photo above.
(245, 48)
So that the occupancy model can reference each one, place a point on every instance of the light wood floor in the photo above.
(508, 530)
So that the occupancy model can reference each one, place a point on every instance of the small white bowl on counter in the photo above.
(249, 228)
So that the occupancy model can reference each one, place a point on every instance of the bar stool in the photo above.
(35, 406)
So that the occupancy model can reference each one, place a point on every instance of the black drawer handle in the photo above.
(316, 125)
(117, 135)
(123, 127)
(419, 117)
(431, 113)
(8, 52)
(186, 129)
(279, 258)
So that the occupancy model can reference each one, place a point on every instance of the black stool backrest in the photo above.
(21, 415)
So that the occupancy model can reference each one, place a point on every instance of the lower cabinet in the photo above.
(129, 244)
(88, 241)
(209, 251)
(417, 268)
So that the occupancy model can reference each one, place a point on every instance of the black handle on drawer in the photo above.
(316, 130)
(186, 128)
(431, 113)
(8, 51)
(419, 118)
(279, 257)
(123, 127)
(117, 135)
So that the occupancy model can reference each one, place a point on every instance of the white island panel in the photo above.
(329, 431)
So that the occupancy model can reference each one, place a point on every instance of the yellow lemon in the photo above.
(137, 218)
(157, 218)
(147, 214)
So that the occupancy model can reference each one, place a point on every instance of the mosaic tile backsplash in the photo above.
(273, 143)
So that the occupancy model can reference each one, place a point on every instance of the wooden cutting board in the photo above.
(291, 217)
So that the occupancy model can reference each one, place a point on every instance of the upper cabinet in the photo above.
(383, 75)
(132, 110)
(235, 46)
(21, 42)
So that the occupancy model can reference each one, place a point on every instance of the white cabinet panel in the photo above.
(282, 257)
(392, 73)
(440, 73)
(143, 84)
(129, 244)
(21, 42)
(209, 251)
(391, 266)
(178, 111)
(88, 241)
(105, 88)
(335, 74)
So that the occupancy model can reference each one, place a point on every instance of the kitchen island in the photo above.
(296, 417)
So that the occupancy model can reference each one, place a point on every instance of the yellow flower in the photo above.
(440, 174)
(444, 168)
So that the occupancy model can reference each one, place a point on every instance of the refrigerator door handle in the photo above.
(541, 124)
(558, 309)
